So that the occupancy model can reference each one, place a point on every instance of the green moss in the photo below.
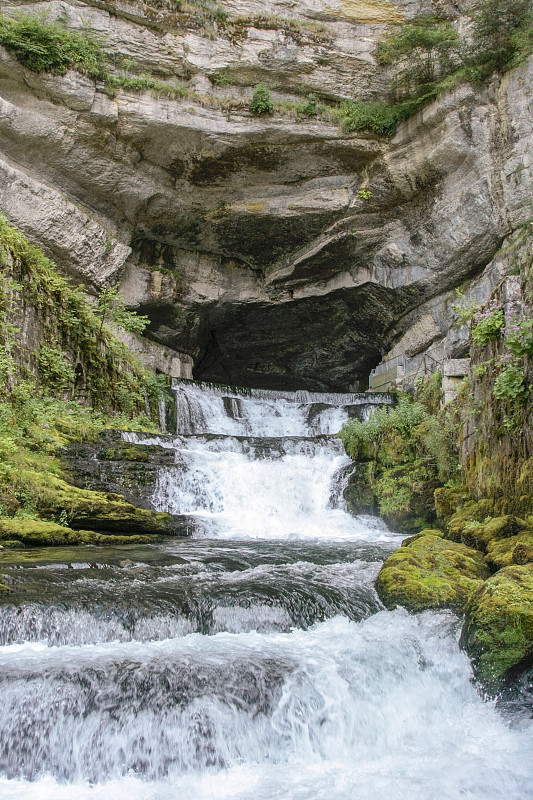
(126, 452)
(425, 532)
(431, 572)
(448, 500)
(469, 513)
(38, 533)
(512, 550)
(498, 631)
(405, 496)
(480, 535)
(56, 499)
(358, 494)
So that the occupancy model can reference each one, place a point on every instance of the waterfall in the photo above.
(253, 661)
(211, 408)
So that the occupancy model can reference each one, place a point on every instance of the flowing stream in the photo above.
(254, 660)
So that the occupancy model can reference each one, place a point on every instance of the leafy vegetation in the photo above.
(74, 332)
(377, 117)
(38, 414)
(110, 306)
(408, 450)
(44, 46)
(261, 102)
(424, 50)
(502, 36)
(428, 57)
(487, 322)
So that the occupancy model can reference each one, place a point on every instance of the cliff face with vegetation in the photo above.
(274, 249)
(467, 469)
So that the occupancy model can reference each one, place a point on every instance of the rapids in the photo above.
(253, 661)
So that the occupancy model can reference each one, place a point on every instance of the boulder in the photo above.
(498, 630)
(480, 535)
(431, 572)
(511, 550)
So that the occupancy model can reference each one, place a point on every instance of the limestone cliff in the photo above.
(246, 239)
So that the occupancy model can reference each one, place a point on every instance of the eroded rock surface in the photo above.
(244, 238)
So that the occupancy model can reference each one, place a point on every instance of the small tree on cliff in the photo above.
(261, 102)
(502, 34)
(111, 308)
(425, 49)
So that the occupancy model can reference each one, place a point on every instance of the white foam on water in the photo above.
(233, 495)
(383, 709)
(379, 710)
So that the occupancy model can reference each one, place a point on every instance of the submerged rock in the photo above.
(430, 572)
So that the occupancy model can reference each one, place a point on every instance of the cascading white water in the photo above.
(253, 661)
(273, 474)
(206, 408)
(251, 488)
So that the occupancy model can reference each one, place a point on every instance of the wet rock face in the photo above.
(244, 238)
(114, 465)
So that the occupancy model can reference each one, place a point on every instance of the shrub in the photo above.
(510, 383)
(366, 439)
(427, 48)
(519, 336)
(487, 322)
(55, 370)
(376, 117)
(44, 46)
(502, 35)
(111, 308)
(310, 107)
(261, 102)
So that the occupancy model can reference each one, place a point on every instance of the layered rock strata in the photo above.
(246, 239)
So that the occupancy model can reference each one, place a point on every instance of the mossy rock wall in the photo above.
(114, 465)
(497, 436)
(52, 335)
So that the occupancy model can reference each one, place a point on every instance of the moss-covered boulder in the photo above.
(468, 515)
(83, 509)
(425, 532)
(431, 572)
(480, 535)
(39, 533)
(511, 550)
(498, 630)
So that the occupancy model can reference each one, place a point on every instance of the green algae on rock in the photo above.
(498, 632)
(431, 572)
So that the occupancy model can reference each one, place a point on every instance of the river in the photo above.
(254, 660)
